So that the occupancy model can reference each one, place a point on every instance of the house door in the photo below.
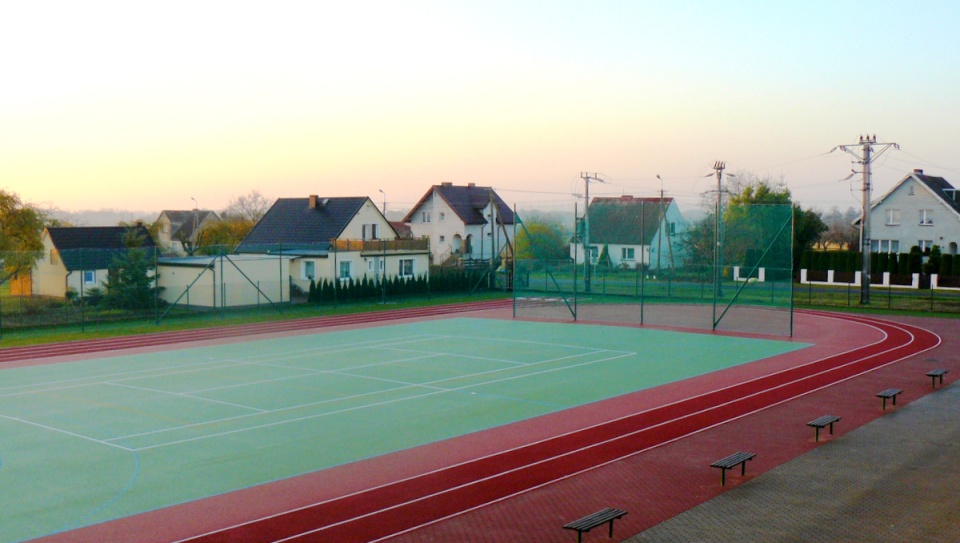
(468, 246)
(953, 247)
(457, 244)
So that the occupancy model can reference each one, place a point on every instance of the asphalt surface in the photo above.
(896, 478)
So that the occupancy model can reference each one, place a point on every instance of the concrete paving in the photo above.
(894, 479)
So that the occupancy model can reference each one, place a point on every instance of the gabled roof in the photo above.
(940, 187)
(936, 185)
(94, 247)
(625, 220)
(182, 221)
(292, 223)
(468, 202)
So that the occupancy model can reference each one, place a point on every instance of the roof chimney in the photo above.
(918, 171)
(471, 185)
(313, 201)
(446, 184)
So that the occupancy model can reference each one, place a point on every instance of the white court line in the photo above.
(65, 432)
(306, 373)
(427, 384)
(165, 370)
(367, 406)
(184, 395)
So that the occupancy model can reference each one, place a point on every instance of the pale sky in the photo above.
(135, 105)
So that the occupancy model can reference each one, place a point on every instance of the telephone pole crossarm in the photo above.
(866, 156)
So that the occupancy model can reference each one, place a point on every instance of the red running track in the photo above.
(401, 506)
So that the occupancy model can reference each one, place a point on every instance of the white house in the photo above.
(921, 210)
(464, 222)
(633, 231)
(345, 238)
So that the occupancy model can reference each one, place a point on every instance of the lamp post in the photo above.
(384, 203)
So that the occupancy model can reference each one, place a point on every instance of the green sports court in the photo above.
(93, 440)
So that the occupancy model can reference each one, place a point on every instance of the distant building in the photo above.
(180, 229)
(463, 222)
(633, 232)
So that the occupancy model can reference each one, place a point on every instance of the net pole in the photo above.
(516, 219)
(793, 236)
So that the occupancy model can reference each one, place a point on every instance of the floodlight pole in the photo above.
(660, 215)
(866, 157)
(718, 229)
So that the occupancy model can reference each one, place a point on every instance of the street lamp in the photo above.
(384, 202)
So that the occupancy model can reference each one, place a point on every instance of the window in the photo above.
(626, 253)
(406, 267)
(371, 231)
(925, 244)
(443, 238)
(443, 216)
(673, 229)
(309, 269)
(370, 265)
(884, 246)
(346, 270)
(425, 216)
(89, 277)
(893, 217)
(926, 217)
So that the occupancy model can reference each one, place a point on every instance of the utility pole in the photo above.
(587, 253)
(867, 156)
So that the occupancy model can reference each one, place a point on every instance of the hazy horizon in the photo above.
(121, 105)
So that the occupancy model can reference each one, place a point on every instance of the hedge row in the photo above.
(896, 263)
(445, 281)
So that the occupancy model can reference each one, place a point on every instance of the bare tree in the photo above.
(840, 228)
(249, 207)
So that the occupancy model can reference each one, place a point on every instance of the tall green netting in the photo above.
(645, 267)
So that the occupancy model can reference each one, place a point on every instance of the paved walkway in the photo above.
(894, 479)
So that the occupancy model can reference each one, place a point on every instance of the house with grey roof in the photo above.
(921, 210)
(463, 222)
(630, 232)
(344, 238)
(79, 258)
(180, 230)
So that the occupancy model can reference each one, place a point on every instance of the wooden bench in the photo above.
(934, 374)
(730, 462)
(889, 393)
(821, 422)
(590, 522)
